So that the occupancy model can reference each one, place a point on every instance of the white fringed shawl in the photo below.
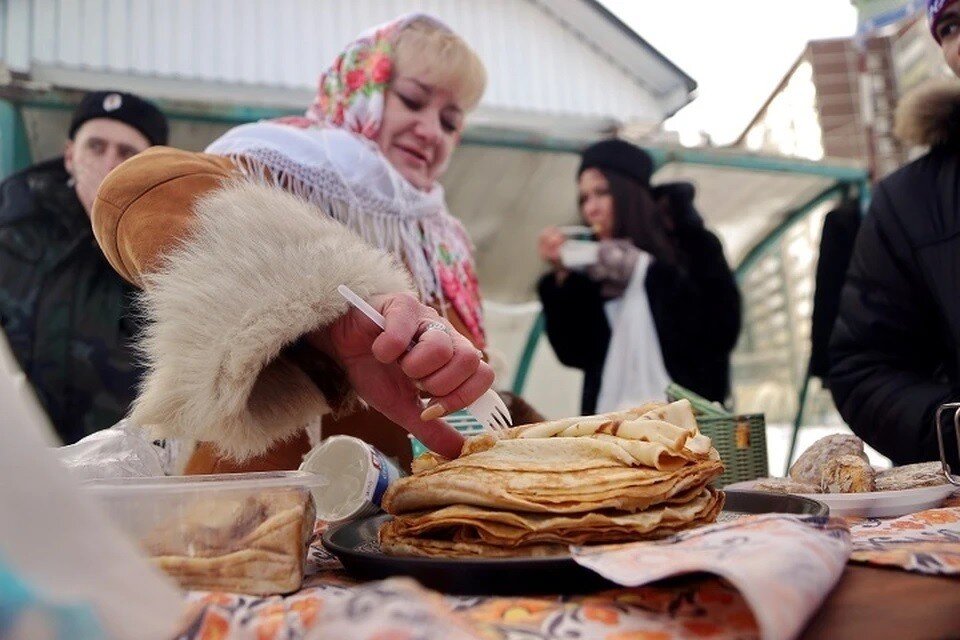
(348, 177)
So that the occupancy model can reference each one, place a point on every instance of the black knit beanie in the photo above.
(619, 156)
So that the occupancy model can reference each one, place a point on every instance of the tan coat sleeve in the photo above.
(145, 206)
(234, 273)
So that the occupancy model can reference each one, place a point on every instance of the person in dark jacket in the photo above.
(895, 350)
(65, 311)
(693, 298)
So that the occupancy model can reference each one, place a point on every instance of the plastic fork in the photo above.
(489, 409)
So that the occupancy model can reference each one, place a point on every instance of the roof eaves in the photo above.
(610, 17)
(603, 31)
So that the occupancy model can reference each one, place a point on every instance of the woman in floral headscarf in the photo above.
(372, 146)
(368, 154)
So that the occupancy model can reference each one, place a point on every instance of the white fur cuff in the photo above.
(258, 272)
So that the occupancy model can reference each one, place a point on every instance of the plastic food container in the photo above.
(359, 476)
(242, 533)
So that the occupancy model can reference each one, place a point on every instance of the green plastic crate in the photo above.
(462, 421)
(741, 440)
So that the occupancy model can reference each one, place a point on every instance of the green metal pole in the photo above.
(761, 248)
(864, 194)
(14, 147)
(752, 162)
(798, 419)
(526, 358)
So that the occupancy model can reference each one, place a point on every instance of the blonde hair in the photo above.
(427, 50)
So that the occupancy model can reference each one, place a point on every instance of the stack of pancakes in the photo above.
(533, 490)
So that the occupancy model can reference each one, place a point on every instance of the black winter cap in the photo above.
(123, 107)
(620, 156)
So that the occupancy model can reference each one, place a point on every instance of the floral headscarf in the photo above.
(354, 182)
(350, 93)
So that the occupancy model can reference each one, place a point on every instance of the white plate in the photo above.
(577, 254)
(876, 504)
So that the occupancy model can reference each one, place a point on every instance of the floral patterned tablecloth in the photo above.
(926, 542)
(332, 606)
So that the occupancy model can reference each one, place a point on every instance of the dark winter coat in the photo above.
(65, 311)
(895, 349)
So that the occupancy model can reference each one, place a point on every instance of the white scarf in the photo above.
(348, 177)
(633, 372)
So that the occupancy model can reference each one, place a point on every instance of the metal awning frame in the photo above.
(847, 182)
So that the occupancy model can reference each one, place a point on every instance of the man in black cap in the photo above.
(65, 311)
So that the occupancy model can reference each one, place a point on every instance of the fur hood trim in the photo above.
(930, 114)
(258, 271)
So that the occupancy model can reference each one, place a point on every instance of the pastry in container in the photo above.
(242, 533)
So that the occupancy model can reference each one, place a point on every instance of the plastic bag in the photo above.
(122, 451)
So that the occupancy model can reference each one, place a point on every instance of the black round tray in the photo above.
(356, 544)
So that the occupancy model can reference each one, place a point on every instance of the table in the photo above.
(875, 603)
(867, 602)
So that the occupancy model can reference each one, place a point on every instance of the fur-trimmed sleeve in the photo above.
(259, 270)
(253, 270)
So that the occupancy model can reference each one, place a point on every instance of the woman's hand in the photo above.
(442, 363)
(548, 246)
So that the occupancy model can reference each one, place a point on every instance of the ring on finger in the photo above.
(436, 326)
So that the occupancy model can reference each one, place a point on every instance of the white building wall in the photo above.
(535, 62)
